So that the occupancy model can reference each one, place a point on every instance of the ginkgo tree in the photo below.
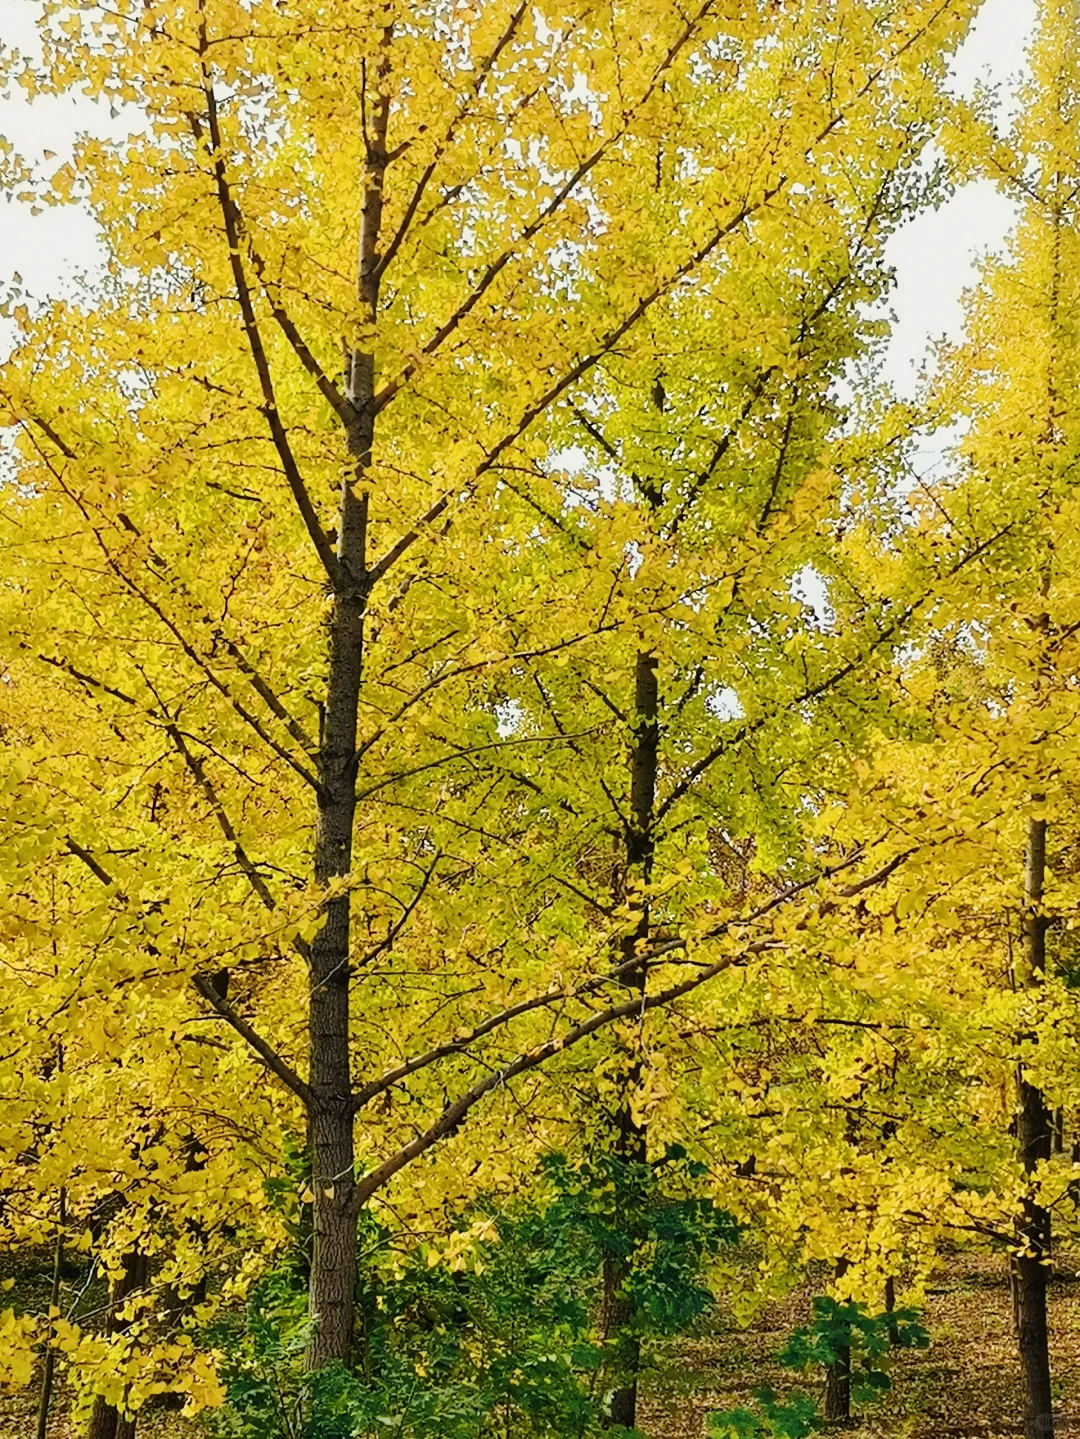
(292, 516)
(713, 728)
(961, 997)
(1014, 380)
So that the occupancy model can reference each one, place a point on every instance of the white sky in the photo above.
(933, 255)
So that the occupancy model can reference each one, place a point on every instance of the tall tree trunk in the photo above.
(330, 1119)
(106, 1422)
(838, 1375)
(838, 1388)
(619, 1312)
(625, 1346)
(890, 1306)
(619, 1308)
(1034, 1132)
(49, 1365)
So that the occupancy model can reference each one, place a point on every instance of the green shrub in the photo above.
(506, 1344)
(836, 1326)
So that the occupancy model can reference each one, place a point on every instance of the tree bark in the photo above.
(106, 1422)
(838, 1388)
(619, 1313)
(49, 1365)
(619, 1308)
(890, 1306)
(330, 1118)
(103, 1421)
(625, 1345)
(1034, 1132)
(838, 1375)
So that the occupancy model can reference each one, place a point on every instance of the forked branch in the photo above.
(230, 215)
(269, 1056)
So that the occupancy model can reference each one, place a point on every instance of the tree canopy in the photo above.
(485, 676)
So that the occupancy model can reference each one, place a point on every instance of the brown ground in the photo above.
(967, 1384)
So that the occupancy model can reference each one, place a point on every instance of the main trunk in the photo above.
(624, 1344)
(1031, 1280)
(619, 1309)
(1034, 1132)
(838, 1374)
(106, 1422)
(838, 1388)
(619, 1314)
(890, 1305)
(332, 1294)
(330, 1120)
(48, 1368)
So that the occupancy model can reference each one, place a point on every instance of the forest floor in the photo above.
(966, 1386)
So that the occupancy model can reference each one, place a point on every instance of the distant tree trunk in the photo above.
(106, 1422)
(619, 1312)
(1034, 1132)
(619, 1309)
(838, 1375)
(176, 1306)
(890, 1305)
(838, 1389)
(49, 1365)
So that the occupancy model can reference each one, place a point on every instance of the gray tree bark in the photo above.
(1034, 1133)
(330, 1118)
(106, 1422)
(619, 1312)
(838, 1375)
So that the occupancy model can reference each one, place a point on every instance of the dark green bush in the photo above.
(507, 1344)
(836, 1326)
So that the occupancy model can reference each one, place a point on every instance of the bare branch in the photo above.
(337, 401)
(639, 1004)
(269, 1056)
(399, 925)
(812, 692)
(781, 461)
(91, 863)
(608, 342)
(721, 447)
(457, 673)
(268, 696)
(396, 550)
(245, 714)
(260, 686)
(454, 1113)
(202, 779)
(231, 218)
(468, 753)
(482, 72)
(612, 338)
(496, 267)
(205, 986)
(254, 678)
(83, 677)
(658, 954)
